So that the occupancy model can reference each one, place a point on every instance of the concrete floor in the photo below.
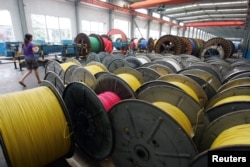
(9, 83)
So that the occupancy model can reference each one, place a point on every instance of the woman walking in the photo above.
(31, 63)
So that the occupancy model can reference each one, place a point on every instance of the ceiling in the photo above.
(208, 12)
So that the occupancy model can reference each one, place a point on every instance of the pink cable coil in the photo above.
(108, 99)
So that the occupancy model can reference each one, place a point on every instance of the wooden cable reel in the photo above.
(25, 127)
(83, 44)
(169, 44)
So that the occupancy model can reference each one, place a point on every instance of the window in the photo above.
(6, 29)
(154, 34)
(51, 28)
(122, 25)
(141, 32)
(93, 27)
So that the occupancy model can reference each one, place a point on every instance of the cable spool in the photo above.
(235, 73)
(188, 45)
(152, 140)
(26, 125)
(215, 130)
(132, 77)
(148, 73)
(170, 62)
(228, 101)
(242, 63)
(107, 41)
(129, 125)
(241, 82)
(55, 80)
(222, 66)
(188, 85)
(133, 62)
(92, 57)
(58, 68)
(161, 69)
(169, 44)
(87, 73)
(143, 59)
(150, 45)
(212, 51)
(83, 44)
(207, 81)
(97, 44)
(206, 67)
(92, 127)
(117, 63)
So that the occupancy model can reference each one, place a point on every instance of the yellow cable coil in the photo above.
(236, 135)
(131, 80)
(93, 69)
(33, 127)
(65, 66)
(177, 115)
(230, 99)
(186, 89)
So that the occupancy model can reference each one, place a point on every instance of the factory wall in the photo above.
(12, 7)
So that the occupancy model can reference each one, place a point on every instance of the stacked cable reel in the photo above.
(218, 47)
(59, 74)
(89, 109)
(92, 43)
(87, 74)
(157, 129)
(31, 118)
(228, 113)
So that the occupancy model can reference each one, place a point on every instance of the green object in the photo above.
(95, 44)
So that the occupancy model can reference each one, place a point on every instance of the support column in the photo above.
(132, 27)
(77, 2)
(22, 16)
(149, 24)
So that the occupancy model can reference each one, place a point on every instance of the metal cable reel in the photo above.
(56, 81)
(222, 66)
(188, 60)
(206, 67)
(87, 74)
(153, 56)
(93, 57)
(154, 139)
(209, 83)
(83, 44)
(117, 63)
(149, 140)
(215, 129)
(188, 85)
(131, 76)
(227, 101)
(89, 109)
(161, 69)
(148, 74)
(235, 73)
(61, 69)
(169, 44)
(170, 62)
(239, 82)
(69, 73)
(133, 62)
(212, 51)
(143, 59)
(200, 45)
